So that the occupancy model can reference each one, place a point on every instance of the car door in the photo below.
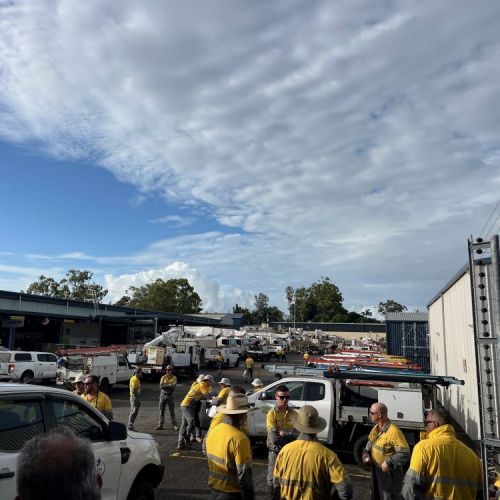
(86, 423)
(21, 418)
(46, 365)
(315, 394)
(266, 400)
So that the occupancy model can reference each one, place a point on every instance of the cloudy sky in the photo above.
(247, 145)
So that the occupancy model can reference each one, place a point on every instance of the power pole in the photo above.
(484, 268)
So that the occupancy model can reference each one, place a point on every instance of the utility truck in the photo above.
(231, 359)
(345, 406)
(170, 348)
(110, 366)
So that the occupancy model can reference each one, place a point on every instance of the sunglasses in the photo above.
(283, 397)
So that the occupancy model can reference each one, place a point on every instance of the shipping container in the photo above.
(407, 335)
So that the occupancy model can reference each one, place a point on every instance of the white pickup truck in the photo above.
(345, 406)
(231, 359)
(111, 368)
(26, 366)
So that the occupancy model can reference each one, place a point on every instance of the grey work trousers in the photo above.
(135, 404)
(187, 424)
(271, 462)
(167, 399)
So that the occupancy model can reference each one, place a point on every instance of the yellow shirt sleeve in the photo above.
(271, 421)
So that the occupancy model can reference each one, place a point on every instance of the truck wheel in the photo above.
(104, 385)
(142, 490)
(357, 450)
(26, 377)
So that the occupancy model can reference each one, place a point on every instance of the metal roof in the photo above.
(406, 316)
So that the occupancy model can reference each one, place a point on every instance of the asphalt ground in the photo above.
(186, 473)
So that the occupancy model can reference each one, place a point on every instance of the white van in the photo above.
(129, 462)
(26, 366)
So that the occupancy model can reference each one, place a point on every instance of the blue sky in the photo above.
(248, 146)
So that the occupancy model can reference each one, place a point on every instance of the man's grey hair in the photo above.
(57, 465)
(440, 416)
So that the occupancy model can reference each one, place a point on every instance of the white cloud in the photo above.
(215, 298)
(174, 220)
(357, 140)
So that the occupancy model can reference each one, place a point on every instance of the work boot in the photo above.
(159, 427)
(176, 427)
(131, 428)
(182, 445)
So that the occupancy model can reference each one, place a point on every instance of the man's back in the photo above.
(228, 455)
(444, 467)
(307, 470)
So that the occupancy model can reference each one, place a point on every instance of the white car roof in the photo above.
(9, 388)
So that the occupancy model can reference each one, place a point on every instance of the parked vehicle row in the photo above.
(25, 366)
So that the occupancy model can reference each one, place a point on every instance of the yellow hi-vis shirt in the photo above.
(170, 380)
(280, 420)
(101, 401)
(229, 456)
(249, 362)
(305, 469)
(196, 393)
(383, 444)
(223, 394)
(134, 385)
(219, 418)
(442, 467)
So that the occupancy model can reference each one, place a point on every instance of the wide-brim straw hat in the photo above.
(257, 383)
(308, 421)
(80, 378)
(236, 404)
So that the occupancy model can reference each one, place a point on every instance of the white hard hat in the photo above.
(200, 378)
(257, 383)
(80, 378)
(225, 381)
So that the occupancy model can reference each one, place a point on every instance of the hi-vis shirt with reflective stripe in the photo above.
(306, 470)
(388, 445)
(219, 418)
(229, 459)
(442, 467)
(277, 420)
(196, 393)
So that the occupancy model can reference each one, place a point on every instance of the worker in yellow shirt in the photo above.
(442, 466)
(202, 390)
(388, 452)
(249, 362)
(305, 469)
(135, 397)
(229, 454)
(167, 387)
(96, 397)
(280, 431)
(225, 386)
(219, 359)
(307, 357)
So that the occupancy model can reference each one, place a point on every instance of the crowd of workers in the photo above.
(299, 466)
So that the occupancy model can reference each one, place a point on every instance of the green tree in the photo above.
(261, 307)
(390, 306)
(76, 285)
(173, 295)
(248, 316)
(325, 302)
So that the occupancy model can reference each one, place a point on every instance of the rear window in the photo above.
(22, 356)
(19, 422)
(46, 357)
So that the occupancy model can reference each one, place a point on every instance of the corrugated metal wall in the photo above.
(409, 339)
(452, 351)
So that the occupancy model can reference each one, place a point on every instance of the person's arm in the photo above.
(107, 409)
(243, 458)
(366, 456)
(414, 480)
(339, 478)
(401, 455)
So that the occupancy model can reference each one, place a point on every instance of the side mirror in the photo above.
(117, 431)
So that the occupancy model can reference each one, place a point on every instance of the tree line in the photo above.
(320, 302)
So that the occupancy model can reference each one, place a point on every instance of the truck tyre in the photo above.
(141, 490)
(104, 385)
(26, 377)
(357, 450)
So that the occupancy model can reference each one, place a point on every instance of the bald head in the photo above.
(379, 408)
